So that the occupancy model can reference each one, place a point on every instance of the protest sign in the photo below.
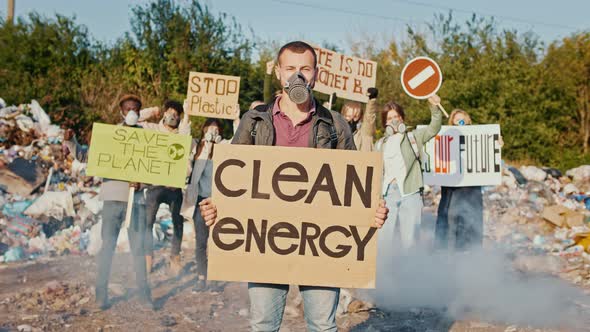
(294, 216)
(349, 77)
(463, 156)
(213, 96)
(421, 77)
(138, 155)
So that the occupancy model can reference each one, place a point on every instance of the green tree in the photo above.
(45, 59)
(567, 66)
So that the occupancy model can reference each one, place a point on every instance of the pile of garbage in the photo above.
(544, 213)
(48, 206)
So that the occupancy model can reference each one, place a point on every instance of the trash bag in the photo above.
(533, 173)
(570, 189)
(54, 134)
(9, 112)
(3, 248)
(553, 172)
(16, 209)
(25, 123)
(94, 239)
(56, 204)
(54, 225)
(40, 116)
(78, 169)
(579, 173)
(14, 254)
(92, 202)
(39, 245)
(539, 189)
(22, 176)
(518, 175)
(23, 226)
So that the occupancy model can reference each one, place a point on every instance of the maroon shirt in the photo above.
(288, 135)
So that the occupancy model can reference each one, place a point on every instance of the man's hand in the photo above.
(269, 66)
(135, 185)
(372, 93)
(208, 211)
(381, 215)
(434, 100)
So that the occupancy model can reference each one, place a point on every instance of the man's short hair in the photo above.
(173, 104)
(298, 47)
(129, 97)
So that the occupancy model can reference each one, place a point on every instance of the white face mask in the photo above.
(395, 127)
(131, 118)
(212, 135)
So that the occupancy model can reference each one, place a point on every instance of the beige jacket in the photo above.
(363, 137)
(184, 128)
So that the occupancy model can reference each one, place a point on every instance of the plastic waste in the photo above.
(16, 209)
(14, 254)
(518, 176)
(56, 204)
(40, 116)
(533, 173)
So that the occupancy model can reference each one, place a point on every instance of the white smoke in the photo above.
(482, 284)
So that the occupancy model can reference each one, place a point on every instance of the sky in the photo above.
(336, 21)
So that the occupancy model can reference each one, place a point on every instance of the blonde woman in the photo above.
(459, 224)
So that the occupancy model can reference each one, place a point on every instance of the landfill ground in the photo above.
(56, 294)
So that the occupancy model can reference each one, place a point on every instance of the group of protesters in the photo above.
(291, 118)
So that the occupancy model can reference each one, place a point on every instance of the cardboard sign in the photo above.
(294, 216)
(349, 77)
(138, 155)
(213, 96)
(463, 156)
(421, 77)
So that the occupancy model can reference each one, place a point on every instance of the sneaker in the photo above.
(145, 299)
(201, 285)
(102, 298)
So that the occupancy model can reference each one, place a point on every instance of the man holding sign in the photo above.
(155, 195)
(293, 119)
(115, 196)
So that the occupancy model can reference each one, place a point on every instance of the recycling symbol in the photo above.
(176, 151)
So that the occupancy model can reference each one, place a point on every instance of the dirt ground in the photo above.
(56, 294)
(28, 297)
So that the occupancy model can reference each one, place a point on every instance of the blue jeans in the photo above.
(113, 216)
(408, 211)
(267, 304)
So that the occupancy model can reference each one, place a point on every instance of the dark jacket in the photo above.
(324, 122)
